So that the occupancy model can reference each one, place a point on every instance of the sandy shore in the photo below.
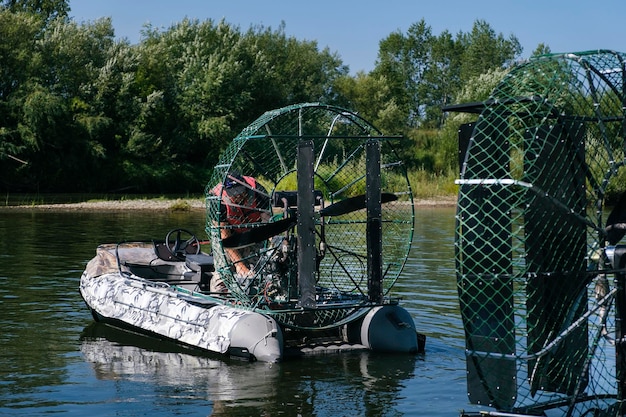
(118, 205)
(172, 205)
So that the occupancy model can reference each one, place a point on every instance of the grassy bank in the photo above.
(40, 199)
(425, 186)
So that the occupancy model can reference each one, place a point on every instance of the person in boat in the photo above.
(243, 200)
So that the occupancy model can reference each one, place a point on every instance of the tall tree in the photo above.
(477, 89)
(442, 79)
(19, 60)
(48, 10)
(425, 72)
(369, 95)
(485, 50)
(209, 80)
(541, 49)
(61, 109)
(403, 61)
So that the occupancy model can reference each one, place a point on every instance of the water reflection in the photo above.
(42, 255)
(352, 384)
(53, 359)
(428, 284)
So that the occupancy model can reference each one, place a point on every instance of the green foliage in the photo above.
(425, 72)
(427, 185)
(371, 95)
(47, 10)
(180, 205)
(541, 49)
(83, 112)
(476, 89)
(483, 50)
(615, 188)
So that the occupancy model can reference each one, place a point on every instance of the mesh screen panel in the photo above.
(538, 291)
(279, 150)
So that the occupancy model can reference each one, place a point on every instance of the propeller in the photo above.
(353, 204)
(258, 234)
(616, 222)
(267, 230)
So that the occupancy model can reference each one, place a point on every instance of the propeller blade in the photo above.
(616, 222)
(353, 204)
(258, 234)
(267, 230)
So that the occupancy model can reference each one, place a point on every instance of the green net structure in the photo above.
(316, 247)
(537, 245)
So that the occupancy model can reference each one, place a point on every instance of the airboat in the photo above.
(333, 229)
(540, 262)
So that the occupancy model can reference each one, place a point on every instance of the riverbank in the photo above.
(117, 205)
(172, 205)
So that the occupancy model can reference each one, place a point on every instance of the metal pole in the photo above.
(306, 225)
(374, 231)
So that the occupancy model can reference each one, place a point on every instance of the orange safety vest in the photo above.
(238, 214)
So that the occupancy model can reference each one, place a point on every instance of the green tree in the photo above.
(403, 61)
(370, 96)
(542, 49)
(442, 79)
(75, 103)
(294, 71)
(48, 10)
(18, 62)
(485, 50)
(426, 72)
(62, 114)
(207, 81)
(476, 89)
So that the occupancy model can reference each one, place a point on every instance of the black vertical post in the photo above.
(465, 133)
(374, 231)
(306, 225)
(619, 263)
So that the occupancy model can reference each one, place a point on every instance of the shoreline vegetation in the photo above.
(180, 204)
(155, 114)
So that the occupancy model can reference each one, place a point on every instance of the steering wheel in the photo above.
(178, 245)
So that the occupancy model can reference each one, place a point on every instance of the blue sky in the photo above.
(353, 29)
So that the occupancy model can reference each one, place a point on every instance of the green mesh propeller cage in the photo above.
(314, 260)
(539, 269)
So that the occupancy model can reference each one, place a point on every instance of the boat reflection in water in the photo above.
(358, 383)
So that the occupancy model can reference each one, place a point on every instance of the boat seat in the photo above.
(203, 267)
(154, 272)
(162, 252)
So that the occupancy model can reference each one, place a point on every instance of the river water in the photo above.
(54, 360)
